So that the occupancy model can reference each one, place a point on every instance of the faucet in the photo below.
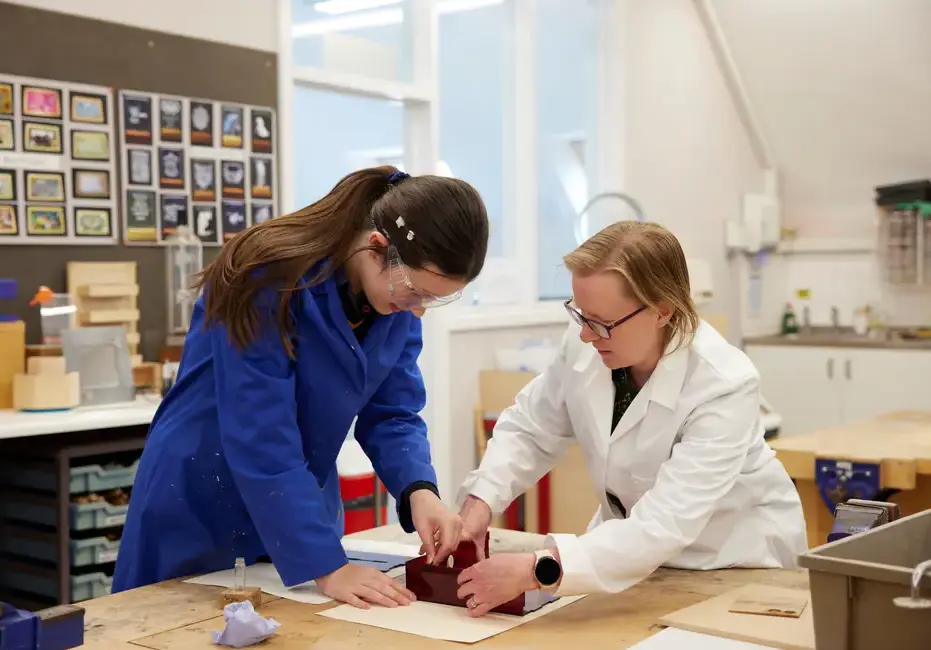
(914, 599)
(835, 318)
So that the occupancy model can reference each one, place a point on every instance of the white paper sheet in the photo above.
(267, 579)
(436, 621)
(373, 546)
(675, 639)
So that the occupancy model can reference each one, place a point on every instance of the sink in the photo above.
(830, 336)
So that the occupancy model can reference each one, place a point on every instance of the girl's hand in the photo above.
(439, 528)
(360, 585)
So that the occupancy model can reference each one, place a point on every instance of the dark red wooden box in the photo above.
(439, 584)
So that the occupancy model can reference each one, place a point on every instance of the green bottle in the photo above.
(789, 324)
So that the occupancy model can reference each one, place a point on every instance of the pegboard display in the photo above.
(203, 163)
(57, 163)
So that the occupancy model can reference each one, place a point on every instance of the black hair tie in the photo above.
(396, 177)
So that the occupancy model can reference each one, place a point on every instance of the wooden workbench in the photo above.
(177, 616)
(900, 443)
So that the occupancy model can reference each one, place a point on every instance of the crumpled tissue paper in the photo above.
(244, 626)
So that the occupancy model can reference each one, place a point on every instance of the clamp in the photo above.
(840, 480)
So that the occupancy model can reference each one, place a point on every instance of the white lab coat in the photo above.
(701, 487)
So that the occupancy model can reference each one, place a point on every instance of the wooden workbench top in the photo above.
(178, 616)
(899, 441)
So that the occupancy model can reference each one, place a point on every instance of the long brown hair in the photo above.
(447, 214)
(652, 261)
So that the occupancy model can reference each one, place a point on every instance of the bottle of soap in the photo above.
(789, 323)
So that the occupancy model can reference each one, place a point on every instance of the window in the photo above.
(336, 133)
(357, 37)
(473, 77)
(567, 70)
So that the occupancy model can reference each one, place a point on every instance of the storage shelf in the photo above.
(86, 478)
(56, 547)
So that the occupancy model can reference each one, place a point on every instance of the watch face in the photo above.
(547, 571)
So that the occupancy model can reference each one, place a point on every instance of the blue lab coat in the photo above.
(240, 460)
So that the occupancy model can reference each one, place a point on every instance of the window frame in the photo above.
(519, 153)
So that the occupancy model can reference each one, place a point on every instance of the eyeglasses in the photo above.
(405, 293)
(601, 330)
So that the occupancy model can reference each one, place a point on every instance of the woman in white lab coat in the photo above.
(667, 413)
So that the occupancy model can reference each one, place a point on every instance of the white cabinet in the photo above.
(817, 387)
(800, 384)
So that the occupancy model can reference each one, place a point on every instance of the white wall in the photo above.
(688, 156)
(470, 353)
(841, 90)
(838, 88)
(247, 23)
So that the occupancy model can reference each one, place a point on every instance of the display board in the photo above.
(197, 162)
(57, 163)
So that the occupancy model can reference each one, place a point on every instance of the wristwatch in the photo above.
(546, 569)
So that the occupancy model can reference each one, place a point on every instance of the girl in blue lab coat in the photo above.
(306, 322)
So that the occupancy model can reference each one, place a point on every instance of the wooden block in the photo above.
(12, 359)
(46, 392)
(788, 605)
(110, 290)
(45, 365)
(252, 594)
(148, 374)
(43, 350)
(108, 316)
(713, 616)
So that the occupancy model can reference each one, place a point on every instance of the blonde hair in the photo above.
(651, 259)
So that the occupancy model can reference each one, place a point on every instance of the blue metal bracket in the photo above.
(839, 480)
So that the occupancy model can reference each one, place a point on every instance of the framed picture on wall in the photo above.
(6, 98)
(217, 155)
(9, 223)
(7, 136)
(42, 137)
(232, 124)
(90, 145)
(7, 184)
(89, 109)
(56, 148)
(41, 102)
(92, 222)
(46, 221)
(45, 186)
(90, 183)
(202, 124)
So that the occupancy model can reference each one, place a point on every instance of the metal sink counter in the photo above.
(843, 337)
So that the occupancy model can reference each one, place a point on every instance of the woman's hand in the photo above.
(361, 585)
(495, 581)
(476, 517)
(439, 529)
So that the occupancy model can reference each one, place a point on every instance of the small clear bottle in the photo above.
(239, 573)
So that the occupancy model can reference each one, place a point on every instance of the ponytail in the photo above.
(279, 253)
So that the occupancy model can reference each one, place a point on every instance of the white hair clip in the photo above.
(400, 222)
(410, 235)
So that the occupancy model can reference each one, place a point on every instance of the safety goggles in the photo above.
(405, 293)
(599, 329)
